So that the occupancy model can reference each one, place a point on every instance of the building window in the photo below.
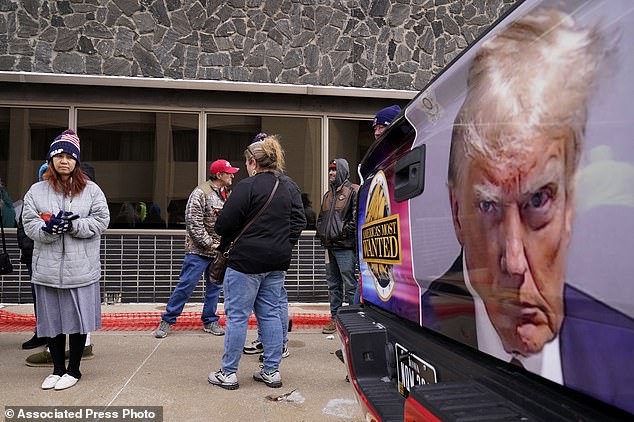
(142, 162)
(25, 137)
(147, 162)
(228, 137)
(349, 139)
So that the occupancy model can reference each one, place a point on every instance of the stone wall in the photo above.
(398, 44)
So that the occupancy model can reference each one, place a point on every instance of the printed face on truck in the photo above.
(515, 149)
(512, 214)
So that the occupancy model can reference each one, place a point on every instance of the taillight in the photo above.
(366, 408)
(415, 412)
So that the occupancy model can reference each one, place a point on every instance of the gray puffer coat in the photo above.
(71, 259)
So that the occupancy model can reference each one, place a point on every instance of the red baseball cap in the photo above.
(222, 166)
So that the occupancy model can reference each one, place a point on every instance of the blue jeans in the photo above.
(341, 277)
(194, 267)
(259, 293)
(283, 317)
(357, 295)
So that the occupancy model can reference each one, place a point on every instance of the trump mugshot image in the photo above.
(515, 149)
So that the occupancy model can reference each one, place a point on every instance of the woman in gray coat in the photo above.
(65, 215)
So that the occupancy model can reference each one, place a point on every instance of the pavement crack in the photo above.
(134, 373)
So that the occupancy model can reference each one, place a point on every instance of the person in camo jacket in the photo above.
(201, 242)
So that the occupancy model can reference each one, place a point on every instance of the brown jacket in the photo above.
(337, 221)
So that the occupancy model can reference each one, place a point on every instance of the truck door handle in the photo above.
(409, 174)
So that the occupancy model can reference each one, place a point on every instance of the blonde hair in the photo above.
(532, 79)
(267, 153)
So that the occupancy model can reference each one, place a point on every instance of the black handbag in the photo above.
(5, 262)
(218, 267)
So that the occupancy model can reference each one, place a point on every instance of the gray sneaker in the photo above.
(162, 330)
(214, 328)
(272, 379)
(253, 348)
(226, 381)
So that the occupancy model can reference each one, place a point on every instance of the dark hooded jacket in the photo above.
(337, 221)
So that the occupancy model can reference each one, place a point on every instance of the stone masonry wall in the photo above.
(397, 44)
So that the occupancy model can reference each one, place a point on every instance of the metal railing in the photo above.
(142, 266)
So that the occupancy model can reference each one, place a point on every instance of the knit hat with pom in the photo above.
(67, 142)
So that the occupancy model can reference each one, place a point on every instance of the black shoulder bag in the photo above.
(5, 262)
(218, 267)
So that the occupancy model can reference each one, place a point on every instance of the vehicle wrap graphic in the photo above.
(520, 244)
(381, 236)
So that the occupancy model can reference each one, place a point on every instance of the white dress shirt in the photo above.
(546, 363)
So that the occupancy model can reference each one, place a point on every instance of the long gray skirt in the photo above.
(67, 311)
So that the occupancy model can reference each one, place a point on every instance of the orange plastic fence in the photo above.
(148, 321)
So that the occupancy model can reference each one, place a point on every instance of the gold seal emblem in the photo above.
(380, 237)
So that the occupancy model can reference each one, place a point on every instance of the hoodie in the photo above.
(337, 221)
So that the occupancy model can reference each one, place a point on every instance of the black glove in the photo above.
(62, 222)
(64, 227)
(53, 223)
(68, 218)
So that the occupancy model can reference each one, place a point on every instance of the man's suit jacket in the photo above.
(448, 306)
(596, 341)
(597, 349)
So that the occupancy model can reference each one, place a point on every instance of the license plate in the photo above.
(412, 370)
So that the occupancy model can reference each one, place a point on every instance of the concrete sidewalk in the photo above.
(135, 369)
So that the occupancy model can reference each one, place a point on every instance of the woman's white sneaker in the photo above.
(66, 381)
(50, 381)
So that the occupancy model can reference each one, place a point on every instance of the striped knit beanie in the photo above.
(67, 142)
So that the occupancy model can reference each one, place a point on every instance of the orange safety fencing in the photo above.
(148, 321)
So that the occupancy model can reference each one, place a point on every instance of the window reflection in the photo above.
(349, 139)
(147, 162)
(228, 137)
(25, 136)
(142, 162)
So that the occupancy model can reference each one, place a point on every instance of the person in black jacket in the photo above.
(311, 216)
(337, 228)
(259, 259)
(25, 244)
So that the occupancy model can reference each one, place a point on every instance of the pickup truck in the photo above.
(496, 230)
